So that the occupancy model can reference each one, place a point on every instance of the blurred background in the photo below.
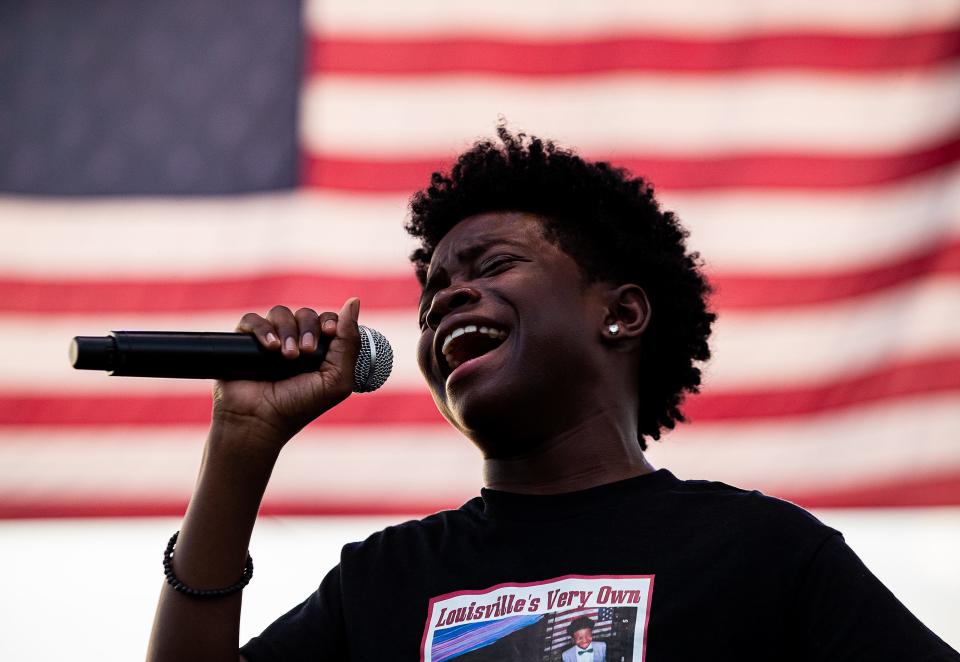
(174, 165)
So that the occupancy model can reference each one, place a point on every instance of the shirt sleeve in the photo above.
(313, 630)
(845, 613)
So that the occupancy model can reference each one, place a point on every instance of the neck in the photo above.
(599, 450)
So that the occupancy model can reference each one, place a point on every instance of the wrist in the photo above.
(236, 432)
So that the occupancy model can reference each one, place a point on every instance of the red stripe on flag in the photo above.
(75, 410)
(150, 295)
(904, 490)
(939, 374)
(165, 506)
(900, 379)
(630, 53)
(772, 170)
(768, 290)
(740, 291)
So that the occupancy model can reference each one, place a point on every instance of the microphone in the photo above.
(196, 355)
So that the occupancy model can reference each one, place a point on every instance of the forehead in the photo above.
(475, 233)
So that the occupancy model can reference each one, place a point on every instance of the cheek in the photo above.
(424, 350)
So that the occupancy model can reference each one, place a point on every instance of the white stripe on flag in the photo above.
(439, 115)
(545, 18)
(362, 235)
(324, 465)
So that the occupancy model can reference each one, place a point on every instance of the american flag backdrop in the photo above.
(175, 165)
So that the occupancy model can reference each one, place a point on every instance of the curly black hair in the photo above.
(611, 225)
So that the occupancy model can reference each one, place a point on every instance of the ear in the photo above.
(628, 308)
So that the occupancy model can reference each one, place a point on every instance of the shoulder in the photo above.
(413, 536)
(725, 500)
(724, 512)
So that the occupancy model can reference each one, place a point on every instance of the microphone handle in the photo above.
(190, 355)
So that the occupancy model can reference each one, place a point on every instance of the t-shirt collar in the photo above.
(498, 504)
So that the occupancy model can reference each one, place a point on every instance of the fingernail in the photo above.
(330, 326)
(307, 340)
(290, 344)
(271, 338)
(355, 308)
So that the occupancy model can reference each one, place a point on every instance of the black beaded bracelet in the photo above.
(178, 585)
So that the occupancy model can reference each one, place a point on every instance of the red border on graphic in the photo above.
(489, 589)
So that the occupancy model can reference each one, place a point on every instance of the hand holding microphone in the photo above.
(283, 369)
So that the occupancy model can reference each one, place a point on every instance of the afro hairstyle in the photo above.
(580, 623)
(609, 222)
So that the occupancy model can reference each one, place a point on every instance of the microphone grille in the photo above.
(374, 362)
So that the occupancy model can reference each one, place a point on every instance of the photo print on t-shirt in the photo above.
(598, 618)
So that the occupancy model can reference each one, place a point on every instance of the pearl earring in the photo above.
(614, 329)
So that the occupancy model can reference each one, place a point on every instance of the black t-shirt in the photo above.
(662, 569)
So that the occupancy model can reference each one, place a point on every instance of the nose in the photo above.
(447, 300)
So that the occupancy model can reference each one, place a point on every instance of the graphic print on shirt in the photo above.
(574, 618)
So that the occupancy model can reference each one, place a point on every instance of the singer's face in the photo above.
(507, 322)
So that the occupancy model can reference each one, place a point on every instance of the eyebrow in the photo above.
(474, 250)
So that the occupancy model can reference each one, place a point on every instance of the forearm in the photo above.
(252, 421)
(212, 547)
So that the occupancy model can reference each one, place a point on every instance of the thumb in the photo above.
(350, 312)
(345, 347)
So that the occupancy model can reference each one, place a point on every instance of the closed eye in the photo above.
(496, 263)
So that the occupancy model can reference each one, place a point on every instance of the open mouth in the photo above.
(469, 342)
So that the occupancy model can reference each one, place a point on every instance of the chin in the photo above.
(472, 414)
(498, 423)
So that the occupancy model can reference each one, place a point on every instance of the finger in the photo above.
(286, 325)
(328, 324)
(309, 326)
(261, 328)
